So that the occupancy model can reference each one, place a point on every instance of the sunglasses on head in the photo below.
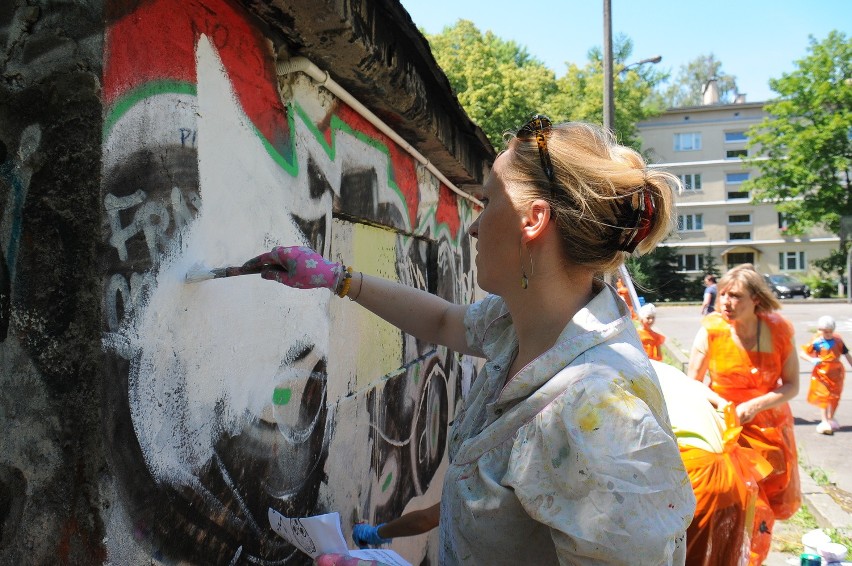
(539, 128)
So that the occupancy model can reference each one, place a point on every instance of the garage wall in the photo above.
(156, 420)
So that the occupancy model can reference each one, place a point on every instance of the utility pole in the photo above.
(608, 94)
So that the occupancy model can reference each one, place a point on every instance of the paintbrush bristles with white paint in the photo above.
(205, 273)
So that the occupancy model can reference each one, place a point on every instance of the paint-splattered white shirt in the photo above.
(574, 460)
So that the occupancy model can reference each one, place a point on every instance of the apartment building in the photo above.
(705, 146)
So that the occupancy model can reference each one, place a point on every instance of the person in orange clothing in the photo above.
(723, 473)
(624, 293)
(825, 351)
(749, 352)
(652, 340)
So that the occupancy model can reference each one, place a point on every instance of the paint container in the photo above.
(809, 559)
(832, 552)
(812, 540)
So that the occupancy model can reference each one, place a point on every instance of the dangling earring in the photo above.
(525, 281)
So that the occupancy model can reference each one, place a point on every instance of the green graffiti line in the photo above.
(137, 95)
(281, 396)
(289, 162)
(336, 124)
(388, 480)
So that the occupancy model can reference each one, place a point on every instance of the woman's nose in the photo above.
(474, 229)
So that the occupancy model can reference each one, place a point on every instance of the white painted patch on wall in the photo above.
(208, 356)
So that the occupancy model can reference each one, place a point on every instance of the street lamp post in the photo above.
(608, 98)
(608, 70)
(609, 109)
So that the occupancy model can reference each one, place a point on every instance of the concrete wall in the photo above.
(146, 420)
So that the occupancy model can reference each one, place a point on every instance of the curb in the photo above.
(826, 511)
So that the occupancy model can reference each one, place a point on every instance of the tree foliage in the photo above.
(580, 91)
(687, 89)
(657, 277)
(497, 82)
(804, 146)
(500, 85)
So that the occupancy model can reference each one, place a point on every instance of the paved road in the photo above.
(829, 453)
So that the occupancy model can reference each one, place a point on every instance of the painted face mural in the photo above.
(235, 395)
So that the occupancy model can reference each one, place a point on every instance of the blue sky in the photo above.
(755, 40)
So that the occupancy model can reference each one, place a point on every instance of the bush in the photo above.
(821, 287)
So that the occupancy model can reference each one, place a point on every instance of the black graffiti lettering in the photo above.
(187, 137)
(122, 297)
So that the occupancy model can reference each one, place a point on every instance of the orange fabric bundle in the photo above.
(727, 495)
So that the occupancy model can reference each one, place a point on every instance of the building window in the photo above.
(687, 142)
(690, 222)
(739, 219)
(735, 137)
(736, 153)
(738, 195)
(735, 259)
(739, 236)
(691, 262)
(783, 222)
(691, 181)
(791, 261)
(736, 178)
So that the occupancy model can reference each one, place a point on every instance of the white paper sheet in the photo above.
(321, 534)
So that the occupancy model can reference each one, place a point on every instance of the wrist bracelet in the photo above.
(360, 286)
(346, 284)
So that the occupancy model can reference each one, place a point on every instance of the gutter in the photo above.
(322, 78)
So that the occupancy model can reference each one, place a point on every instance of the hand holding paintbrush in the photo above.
(294, 266)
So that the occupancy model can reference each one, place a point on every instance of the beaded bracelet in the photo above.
(346, 284)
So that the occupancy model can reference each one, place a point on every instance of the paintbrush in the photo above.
(204, 273)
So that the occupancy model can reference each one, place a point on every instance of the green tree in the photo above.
(580, 91)
(687, 89)
(804, 146)
(711, 266)
(657, 276)
(498, 83)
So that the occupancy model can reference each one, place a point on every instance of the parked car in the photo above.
(785, 286)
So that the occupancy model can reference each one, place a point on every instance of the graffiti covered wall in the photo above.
(51, 455)
(231, 396)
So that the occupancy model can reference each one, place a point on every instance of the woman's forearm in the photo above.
(776, 397)
(414, 311)
(413, 523)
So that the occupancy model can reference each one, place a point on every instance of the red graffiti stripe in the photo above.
(404, 172)
(157, 42)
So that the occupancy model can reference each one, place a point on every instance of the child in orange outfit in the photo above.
(825, 351)
(652, 341)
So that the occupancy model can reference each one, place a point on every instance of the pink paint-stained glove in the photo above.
(344, 560)
(298, 266)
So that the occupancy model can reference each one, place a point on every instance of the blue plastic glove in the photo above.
(365, 535)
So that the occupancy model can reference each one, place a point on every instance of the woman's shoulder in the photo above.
(777, 322)
(714, 321)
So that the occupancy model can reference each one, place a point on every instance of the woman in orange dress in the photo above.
(651, 340)
(826, 351)
(749, 352)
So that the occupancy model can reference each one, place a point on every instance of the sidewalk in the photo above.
(828, 514)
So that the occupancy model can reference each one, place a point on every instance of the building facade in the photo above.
(705, 146)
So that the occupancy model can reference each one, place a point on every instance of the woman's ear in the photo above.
(536, 220)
